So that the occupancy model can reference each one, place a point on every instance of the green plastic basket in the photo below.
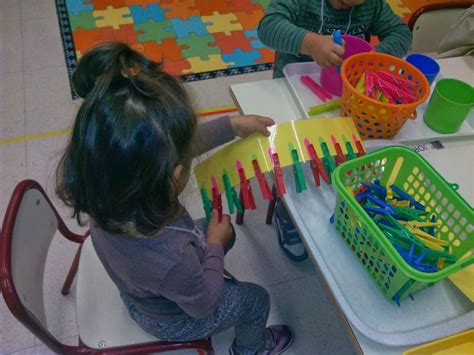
(408, 170)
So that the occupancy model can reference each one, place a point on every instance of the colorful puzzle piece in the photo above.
(241, 59)
(243, 5)
(198, 65)
(104, 4)
(142, 3)
(197, 46)
(177, 67)
(222, 23)
(193, 25)
(141, 14)
(253, 37)
(182, 9)
(228, 44)
(155, 31)
(76, 7)
(208, 7)
(249, 20)
(268, 55)
(112, 17)
(84, 19)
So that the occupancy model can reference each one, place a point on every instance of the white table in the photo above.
(456, 163)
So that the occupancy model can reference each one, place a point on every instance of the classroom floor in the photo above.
(35, 99)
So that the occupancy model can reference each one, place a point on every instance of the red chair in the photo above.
(30, 223)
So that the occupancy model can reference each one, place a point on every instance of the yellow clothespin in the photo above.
(440, 263)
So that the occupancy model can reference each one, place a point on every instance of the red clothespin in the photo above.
(280, 183)
(262, 182)
(360, 148)
(245, 188)
(340, 158)
(316, 164)
(216, 198)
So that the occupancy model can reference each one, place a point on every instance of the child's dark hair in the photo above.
(134, 127)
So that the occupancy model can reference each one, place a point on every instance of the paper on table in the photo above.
(463, 280)
(293, 132)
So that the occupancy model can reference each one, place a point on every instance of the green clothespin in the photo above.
(206, 203)
(401, 231)
(350, 152)
(298, 171)
(328, 161)
(231, 194)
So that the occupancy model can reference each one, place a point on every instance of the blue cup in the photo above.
(427, 65)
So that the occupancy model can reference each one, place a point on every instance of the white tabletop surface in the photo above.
(272, 98)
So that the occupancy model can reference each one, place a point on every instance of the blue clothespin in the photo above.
(388, 207)
(407, 197)
(337, 38)
(376, 189)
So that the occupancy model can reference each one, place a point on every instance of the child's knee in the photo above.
(260, 296)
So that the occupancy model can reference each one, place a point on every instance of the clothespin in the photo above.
(262, 182)
(339, 154)
(328, 161)
(245, 188)
(232, 197)
(300, 183)
(316, 165)
(431, 230)
(359, 146)
(376, 189)
(403, 232)
(280, 183)
(216, 198)
(206, 203)
(350, 152)
(407, 197)
(386, 206)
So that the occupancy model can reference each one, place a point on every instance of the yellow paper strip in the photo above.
(294, 132)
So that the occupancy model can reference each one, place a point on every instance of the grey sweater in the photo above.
(172, 275)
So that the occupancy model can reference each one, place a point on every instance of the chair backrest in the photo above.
(431, 23)
(29, 226)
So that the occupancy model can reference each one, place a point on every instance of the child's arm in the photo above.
(214, 133)
(277, 28)
(395, 36)
(278, 31)
(195, 285)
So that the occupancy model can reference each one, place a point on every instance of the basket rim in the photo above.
(389, 248)
(412, 105)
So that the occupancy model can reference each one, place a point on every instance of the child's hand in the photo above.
(219, 233)
(323, 49)
(248, 124)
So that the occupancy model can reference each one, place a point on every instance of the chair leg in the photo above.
(239, 218)
(271, 207)
(72, 272)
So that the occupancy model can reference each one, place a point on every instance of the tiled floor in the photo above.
(35, 98)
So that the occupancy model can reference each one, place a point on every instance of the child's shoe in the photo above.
(288, 237)
(278, 338)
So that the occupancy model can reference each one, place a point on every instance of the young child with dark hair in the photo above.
(128, 160)
(301, 31)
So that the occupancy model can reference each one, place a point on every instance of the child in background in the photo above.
(128, 160)
(301, 31)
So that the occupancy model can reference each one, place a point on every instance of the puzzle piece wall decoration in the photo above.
(113, 17)
(190, 37)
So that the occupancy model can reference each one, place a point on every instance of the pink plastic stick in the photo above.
(322, 94)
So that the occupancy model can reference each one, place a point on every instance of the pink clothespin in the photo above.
(216, 198)
(245, 188)
(280, 183)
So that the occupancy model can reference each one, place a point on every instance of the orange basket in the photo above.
(375, 119)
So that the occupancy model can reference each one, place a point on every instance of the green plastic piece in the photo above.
(325, 107)
(300, 182)
(231, 194)
(350, 152)
(328, 161)
(206, 204)
(358, 228)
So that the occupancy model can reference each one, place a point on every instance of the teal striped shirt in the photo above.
(286, 22)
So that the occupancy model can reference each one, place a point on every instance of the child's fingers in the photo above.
(214, 217)
(266, 121)
(339, 50)
(335, 59)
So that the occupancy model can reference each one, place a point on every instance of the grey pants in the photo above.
(243, 305)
